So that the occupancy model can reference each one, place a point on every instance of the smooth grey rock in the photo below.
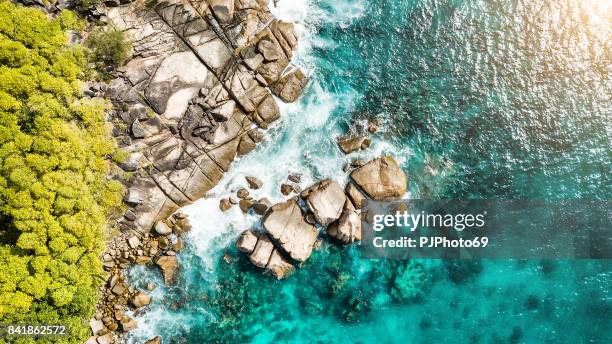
(133, 241)
(129, 215)
(269, 50)
(224, 111)
(223, 9)
(96, 326)
(268, 110)
(137, 130)
(254, 62)
(162, 228)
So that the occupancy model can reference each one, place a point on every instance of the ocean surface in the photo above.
(477, 99)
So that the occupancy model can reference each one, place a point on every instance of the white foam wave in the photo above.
(303, 141)
(330, 11)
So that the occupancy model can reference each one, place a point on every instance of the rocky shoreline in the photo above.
(198, 92)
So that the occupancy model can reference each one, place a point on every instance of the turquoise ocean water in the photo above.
(477, 99)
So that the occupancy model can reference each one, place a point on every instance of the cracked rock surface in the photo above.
(285, 224)
(289, 234)
(381, 179)
(197, 93)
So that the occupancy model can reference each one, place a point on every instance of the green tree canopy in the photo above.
(54, 190)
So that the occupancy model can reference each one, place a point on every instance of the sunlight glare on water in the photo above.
(506, 99)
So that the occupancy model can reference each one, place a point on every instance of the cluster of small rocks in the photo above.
(291, 228)
(245, 201)
(158, 247)
(292, 185)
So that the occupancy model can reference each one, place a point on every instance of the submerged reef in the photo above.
(333, 282)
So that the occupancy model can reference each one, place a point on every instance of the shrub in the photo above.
(54, 194)
(120, 156)
(109, 47)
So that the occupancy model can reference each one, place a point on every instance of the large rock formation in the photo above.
(196, 94)
(247, 241)
(291, 236)
(325, 199)
(354, 195)
(141, 299)
(381, 179)
(263, 254)
(348, 227)
(169, 266)
(286, 225)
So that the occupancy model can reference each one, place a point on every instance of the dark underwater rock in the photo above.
(408, 281)
(459, 271)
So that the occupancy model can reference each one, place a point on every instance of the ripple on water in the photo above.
(479, 99)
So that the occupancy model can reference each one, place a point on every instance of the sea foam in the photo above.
(302, 141)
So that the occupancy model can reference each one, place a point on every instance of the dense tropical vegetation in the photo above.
(55, 195)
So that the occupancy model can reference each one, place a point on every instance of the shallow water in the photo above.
(478, 99)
